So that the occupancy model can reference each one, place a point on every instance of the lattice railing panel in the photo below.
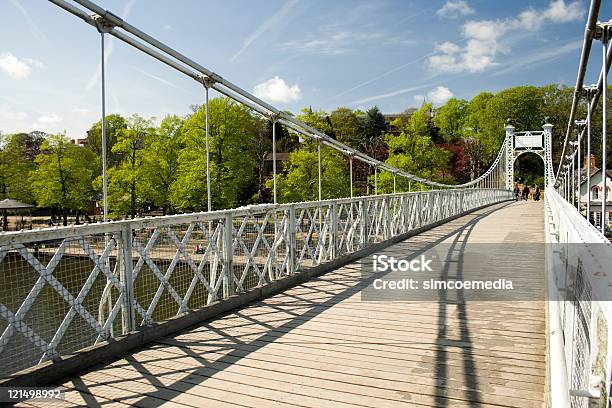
(63, 289)
(51, 292)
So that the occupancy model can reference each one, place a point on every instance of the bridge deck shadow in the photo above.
(320, 345)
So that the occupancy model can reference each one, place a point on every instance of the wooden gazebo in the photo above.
(8, 204)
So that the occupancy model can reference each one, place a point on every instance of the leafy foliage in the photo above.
(63, 179)
(233, 161)
(164, 167)
(300, 178)
(414, 151)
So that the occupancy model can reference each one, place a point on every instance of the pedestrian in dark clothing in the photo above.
(536, 194)
(516, 192)
(526, 193)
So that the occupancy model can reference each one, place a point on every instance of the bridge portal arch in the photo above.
(530, 141)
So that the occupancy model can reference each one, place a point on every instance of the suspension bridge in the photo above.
(279, 306)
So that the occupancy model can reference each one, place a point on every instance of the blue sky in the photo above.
(293, 53)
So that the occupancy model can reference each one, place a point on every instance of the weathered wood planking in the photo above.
(319, 345)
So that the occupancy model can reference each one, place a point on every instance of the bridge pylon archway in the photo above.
(530, 141)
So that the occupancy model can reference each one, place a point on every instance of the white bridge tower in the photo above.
(518, 143)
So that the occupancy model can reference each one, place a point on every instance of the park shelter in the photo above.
(15, 206)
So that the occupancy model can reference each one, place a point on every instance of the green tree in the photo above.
(373, 128)
(414, 151)
(345, 125)
(557, 107)
(318, 120)
(233, 164)
(126, 188)
(300, 178)
(522, 106)
(63, 179)
(115, 124)
(449, 119)
(159, 166)
(17, 155)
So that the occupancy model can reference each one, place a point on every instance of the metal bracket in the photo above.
(603, 31)
(590, 90)
(207, 81)
(580, 124)
(275, 116)
(103, 25)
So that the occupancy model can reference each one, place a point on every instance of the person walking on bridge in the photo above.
(526, 192)
(516, 192)
(536, 194)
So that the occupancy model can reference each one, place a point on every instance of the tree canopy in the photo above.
(162, 165)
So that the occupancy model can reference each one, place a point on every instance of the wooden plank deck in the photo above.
(320, 345)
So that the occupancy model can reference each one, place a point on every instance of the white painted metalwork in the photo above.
(158, 268)
(131, 35)
(578, 256)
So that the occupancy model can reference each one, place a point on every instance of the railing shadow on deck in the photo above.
(233, 348)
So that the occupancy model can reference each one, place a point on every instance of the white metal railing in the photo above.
(579, 260)
(65, 288)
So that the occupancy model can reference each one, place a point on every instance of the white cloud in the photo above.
(167, 27)
(7, 117)
(277, 18)
(334, 42)
(277, 90)
(439, 95)
(50, 118)
(419, 99)
(483, 37)
(81, 111)
(18, 68)
(448, 47)
(455, 9)
(34, 63)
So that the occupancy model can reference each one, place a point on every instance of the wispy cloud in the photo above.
(36, 32)
(387, 73)
(157, 78)
(389, 94)
(540, 56)
(332, 43)
(108, 50)
(276, 19)
(81, 111)
(49, 118)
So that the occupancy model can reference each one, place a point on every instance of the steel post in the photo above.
(104, 153)
(274, 157)
(319, 166)
(208, 193)
(604, 131)
(351, 173)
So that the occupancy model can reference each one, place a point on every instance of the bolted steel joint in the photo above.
(274, 117)
(603, 31)
(207, 81)
(589, 91)
(103, 24)
(580, 124)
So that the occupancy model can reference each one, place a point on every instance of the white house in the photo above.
(595, 195)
